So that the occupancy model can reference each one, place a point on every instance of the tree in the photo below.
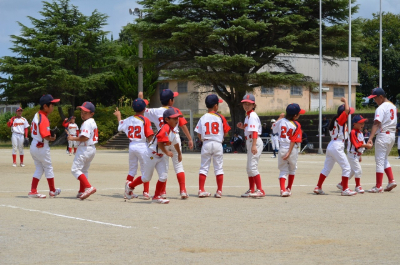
(369, 54)
(224, 43)
(65, 54)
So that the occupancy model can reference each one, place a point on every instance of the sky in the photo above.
(12, 11)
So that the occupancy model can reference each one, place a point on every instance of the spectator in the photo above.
(265, 130)
(325, 124)
(367, 134)
(236, 142)
(304, 139)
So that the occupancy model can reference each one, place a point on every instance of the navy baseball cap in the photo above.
(293, 109)
(171, 113)
(19, 109)
(358, 119)
(212, 99)
(341, 109)
(249, 98)
(47, 99)
(138, 105)
(87, 106)
(167, 94)
(377, 92)
(72, 117)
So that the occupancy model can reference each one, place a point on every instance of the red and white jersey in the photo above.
(136, 127)
(89, 130)
(252, 124)
(18, 125)
(288, 131)
(386, 113)
(155, 115)
(212, 126)
(40, 127)
(340, 131)
(355, 141)
(72, 129)
(164, 135)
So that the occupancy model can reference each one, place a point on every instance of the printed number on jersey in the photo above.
(285, 133)
(95, 135)
(212, 128)
(34, 128)
(391, 114)
(134, 132)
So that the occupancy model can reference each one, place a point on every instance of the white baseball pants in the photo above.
(73, 144)
(354, 161)
(83, 157)
(178, 166)
(383, 145)
(289, 166)
(42, 160)
(398, 142)
(17, 141)
(151, 162)
(252, 160)
(275, 142)
(214, 150)
(335, 153)
(136, 153)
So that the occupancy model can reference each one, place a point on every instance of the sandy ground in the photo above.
(104, 229)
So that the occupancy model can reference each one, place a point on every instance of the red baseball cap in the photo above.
(19, 109)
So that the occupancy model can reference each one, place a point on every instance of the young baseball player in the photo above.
(153, 158)
(71, 128)
(274, 139)
(40, 150)
(398, 138)
(384, 128)
(19, 127)
(155, 115)
(289, 131)
(211, 129)
(138, 129)
(86, 150)
(355, 147)
(254, 144)
(335, 150)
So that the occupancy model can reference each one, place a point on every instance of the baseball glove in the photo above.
(54, 131)
(26, 142)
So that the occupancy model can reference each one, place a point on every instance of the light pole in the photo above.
(380, 44)
(139, 13)
(320, 80)
(349, 120)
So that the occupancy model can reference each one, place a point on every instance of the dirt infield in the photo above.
(104, 229)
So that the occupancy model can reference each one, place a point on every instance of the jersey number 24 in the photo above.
(284, 132)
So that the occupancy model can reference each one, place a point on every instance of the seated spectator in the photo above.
(265, 130)
(325, 124)
(236, 142)
(304, 139)
(367, 134)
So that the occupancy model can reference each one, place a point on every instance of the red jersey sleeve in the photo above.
(65, 124)
(225, 125)
(342, 118)
(44, 126)
(297, 135)
(162, 136)
(354, 139)
(10, 123)
(182, 121)
(147, 127)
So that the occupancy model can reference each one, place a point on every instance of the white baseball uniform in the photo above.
(137, 128)
(335, 150)
(86, 150)
(72, 130)
(386, 113)
(212, 127)
(354, 152)
(252, 124)
(154, 157)
(274, 139)
(40, 149)
(398, 135)
(288, 131)
(18, 127)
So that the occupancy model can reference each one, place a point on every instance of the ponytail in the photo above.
(332, 123)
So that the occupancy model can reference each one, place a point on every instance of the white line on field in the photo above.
(65, 216)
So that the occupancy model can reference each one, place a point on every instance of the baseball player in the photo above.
(254, 144)
(355, 147)
(138, 129)
(153, 158)
(40, 150)
(335, 150)
(86, 150)
(289, 131)
(155, 115)
(384, 128)
(19, 127)
(398, 138)
(71, 128)
(211, 129)
(274, 139)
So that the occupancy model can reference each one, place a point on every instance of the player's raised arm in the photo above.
(117, 114)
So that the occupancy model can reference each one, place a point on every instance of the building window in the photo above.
(296, 91)
(338, 92)
(182, 87)
(164, 85)
(267, 90)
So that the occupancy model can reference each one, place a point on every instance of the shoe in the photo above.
(14, 164)
(146, 196)
(285, 193)
(391, 186)
(218, 194)
(55, 193)
(159, 199)
(163, 195)
(67, 152)
(70, 154)
(36, 195)
(397, 157)
(290, 192)
(22, 164)
(339, 186)
(246, 194)
(203, 194)
(74, 153)
(129, 192)
(318, 191)
(273, 156)
(257, 194)
(348, 192)
(184, 195)
(376, 190)
(87, 193)
(359, 189)
(79, 194)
